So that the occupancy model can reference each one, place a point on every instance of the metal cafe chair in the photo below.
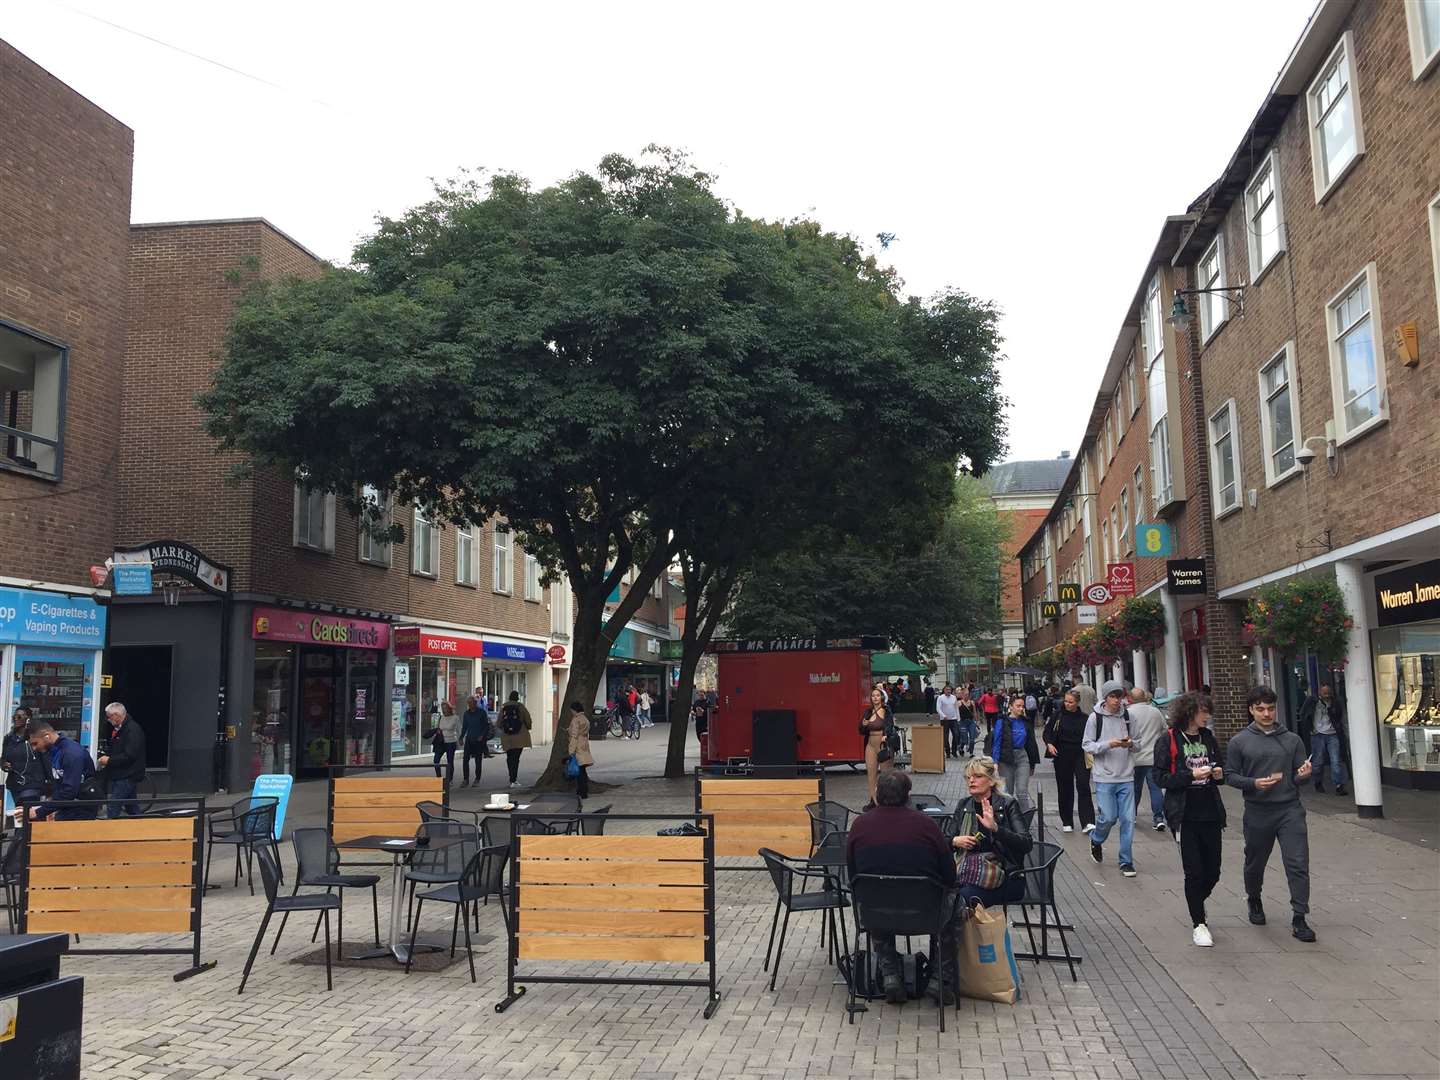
(480, 878)
(321, 902)
(318, 866)
(906, 906)
(247, 825)
(1039, 876)
(784, 871)
(439, 865)
(827, 816)
(434, 811)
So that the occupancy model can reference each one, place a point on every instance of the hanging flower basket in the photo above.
(1141, 624)
(1300, 615)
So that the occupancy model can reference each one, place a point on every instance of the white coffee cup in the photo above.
(499, 798)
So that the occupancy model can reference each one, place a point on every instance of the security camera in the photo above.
(1305, 455)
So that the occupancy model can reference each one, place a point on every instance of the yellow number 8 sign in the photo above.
(1153, 540)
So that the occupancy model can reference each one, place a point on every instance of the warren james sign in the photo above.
(1185, 577)
(1409, 595)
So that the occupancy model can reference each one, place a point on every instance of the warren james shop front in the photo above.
(1405, 647)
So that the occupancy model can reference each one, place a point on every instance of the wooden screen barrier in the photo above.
(751, 814)
(621, 898)
(379, 805)
(131, 875)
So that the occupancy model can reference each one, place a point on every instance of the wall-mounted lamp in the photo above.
(1180, 311)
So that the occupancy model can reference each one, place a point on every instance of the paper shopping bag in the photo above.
(987, 964)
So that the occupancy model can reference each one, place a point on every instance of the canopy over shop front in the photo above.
(894, 663)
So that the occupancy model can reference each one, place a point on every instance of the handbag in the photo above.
(980, 868)
(572, 767)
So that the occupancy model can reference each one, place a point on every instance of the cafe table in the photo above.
(397, 847)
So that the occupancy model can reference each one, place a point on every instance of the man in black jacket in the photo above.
(123, 762)
(24, 769)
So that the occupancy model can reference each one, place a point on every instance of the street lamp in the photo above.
(1180, 311)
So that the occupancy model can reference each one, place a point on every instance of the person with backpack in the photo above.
(515, 724)
(1187, 768)
(72, 776)
(1107, 740)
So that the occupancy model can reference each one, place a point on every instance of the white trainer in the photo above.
(1067, 828)
(1201, 936)
(1086, 828)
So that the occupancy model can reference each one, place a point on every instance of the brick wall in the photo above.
(64, 216)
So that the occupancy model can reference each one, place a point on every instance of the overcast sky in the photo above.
(1023, 152)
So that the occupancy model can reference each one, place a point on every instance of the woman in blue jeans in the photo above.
(988, 821)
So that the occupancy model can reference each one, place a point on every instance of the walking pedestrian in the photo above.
(989, 708)
(1147, 724)
(445, 739)
(483, 701)
(1064, 733)
(930, 694)
(515, 725)
(642, 708)
(968, 732)
(874, 732)
(579, 748)
(474, 730)
(1268, 763)
(1011, 745)
(1107, 740)
(1187, 766)
(24, 768)
(122, 762)
(1323, 717)
(70, 773)
(626, 711)
(1085, 694)
(947, 708)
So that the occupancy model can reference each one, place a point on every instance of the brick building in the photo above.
(65, 168)
(1022, 493)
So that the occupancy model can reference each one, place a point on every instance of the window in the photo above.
(1435, 245)
(1153, 330)
(1336, 137)
(502, 577)
(1105, 541)
(314, 518)
(1357, 370)
(1124, 532)
(32, 402)
(467, 556)
(424, 543)
(657, 590)
(1115, 529)
(1139, 495)
(1278, 415)
(1224, 460)
(374, 517)
(532, 578)
(1210, 274)
(1423, 18)
(1130, 383)
(560, 608)
(1264, 218)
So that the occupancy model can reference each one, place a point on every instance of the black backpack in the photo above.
(510, 722)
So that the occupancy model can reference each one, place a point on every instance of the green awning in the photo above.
(894, 663)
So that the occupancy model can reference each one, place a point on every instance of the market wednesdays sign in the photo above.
(1409, 595)
(181, 560)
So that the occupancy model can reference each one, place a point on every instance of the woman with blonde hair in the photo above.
(874, 725)
(989, 838)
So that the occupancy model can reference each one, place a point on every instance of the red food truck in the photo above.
(790, 701)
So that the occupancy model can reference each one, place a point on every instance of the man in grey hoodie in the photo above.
(1147, 724)
(1268, 764)
(1107, 738)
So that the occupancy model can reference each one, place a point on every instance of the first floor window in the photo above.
(1277, 414)
(1160, 462)
(501, 579)
(1224, 466)
(560, 608)
(374, 518)
(32, 402)
(1424, 24)
(1139, 495)
(1357, 374)
(424, 543)
(1124, 520)
(314, 518)
(532, 578)
(466, 556)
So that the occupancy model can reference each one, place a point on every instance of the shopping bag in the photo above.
(572, 767)
(987, 963)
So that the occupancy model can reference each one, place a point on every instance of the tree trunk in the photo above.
(680, 703)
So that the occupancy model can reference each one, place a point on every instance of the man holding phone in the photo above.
(1107, 739)
(1268, 764)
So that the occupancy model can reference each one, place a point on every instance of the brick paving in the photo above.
(1145, 1004)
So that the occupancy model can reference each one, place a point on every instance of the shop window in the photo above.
(1224, 460)
(1264, 218)
(375, 517)
(1423, 20)
(1337, 137)
(532, 579)
(502, 577)
(467, 556)
(271, 727)
(1278, 416)
(1357, 371)
(424, 543)
(314, 518)
(32, 402)
(1407, 696)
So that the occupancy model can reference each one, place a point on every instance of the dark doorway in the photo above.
(322, 674)
(140, 679)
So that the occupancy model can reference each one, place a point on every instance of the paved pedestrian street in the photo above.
(1362, 1001)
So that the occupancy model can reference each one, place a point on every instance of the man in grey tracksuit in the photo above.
(1268, 764)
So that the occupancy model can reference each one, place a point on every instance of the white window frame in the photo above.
(1139, 481)
(1124, 534)
(560, 608)
(1343, 434)
(1162, 479)
(1130, 380)
(1343, 54)
(1231, 414)
(533, 592)
(1214, 307)
(424, 541)
(657, 590)
(1421, 63)
(1285, 354)
(311, 500)
(368, 549)
(1270, 166)
(467, 556)
(502, 578)
(1435, 245)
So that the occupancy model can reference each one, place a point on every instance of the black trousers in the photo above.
(582, 784)
(954, 739)
(1072, 781)
(512, 763)
(1200, 857)
(445, 752)
(474, 749)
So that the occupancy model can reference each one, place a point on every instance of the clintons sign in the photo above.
(318, 628)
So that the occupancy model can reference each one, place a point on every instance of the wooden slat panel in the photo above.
(761, 787)
(424, 787)
(145, 851)
(90, 899)
(653, 924)
(43, 877)
(596, 872)
(741, 841)
(109, 922)
(613, 847)
(353, 830)
(140, 828)
(727, 818)
(409, 815)
(399, 798)
(611, 898)
(754, 802)
(552, 947)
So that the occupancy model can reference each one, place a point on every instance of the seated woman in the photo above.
(989, 823)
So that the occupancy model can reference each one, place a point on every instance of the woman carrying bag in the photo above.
(875, 725)
(990, 839)
(445, 739)
(1064, 731)
(579, 732)
(1187, 768)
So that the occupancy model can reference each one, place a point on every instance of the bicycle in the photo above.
(614, 724)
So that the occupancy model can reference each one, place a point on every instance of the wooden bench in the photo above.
(379, 805)
(620, 898)
(751, 814)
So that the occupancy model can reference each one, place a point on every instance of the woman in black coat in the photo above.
(1064, 731)
(1187, 768)
(990, 821)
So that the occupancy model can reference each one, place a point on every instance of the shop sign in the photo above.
(1049, 609)
(182, 560)
(43, 618)
(1192, 624)
(318, 628)
(672, 650)
(1409, 595)
(1120, 576)
(806, 644)
(133, 579)
(524, 654)
(556, 653)
(1185, 577)
(1087, 614)
(274, 786)
(1152, 541)
(412, 641)
(1068, 592)
(1098, 594)
(402, 675)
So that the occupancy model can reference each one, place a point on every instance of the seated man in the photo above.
(894, 839)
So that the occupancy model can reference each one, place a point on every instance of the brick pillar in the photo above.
(1229, 670)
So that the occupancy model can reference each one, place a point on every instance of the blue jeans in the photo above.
(1145, 777)
(1328, 746)
(1116, 802)
(122, 799)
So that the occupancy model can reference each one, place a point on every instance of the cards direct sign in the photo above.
(1409, 595)
(412, 641)
(1185, 577)
(319, 628)
(43, 618)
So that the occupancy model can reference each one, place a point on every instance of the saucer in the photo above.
(498, 806)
